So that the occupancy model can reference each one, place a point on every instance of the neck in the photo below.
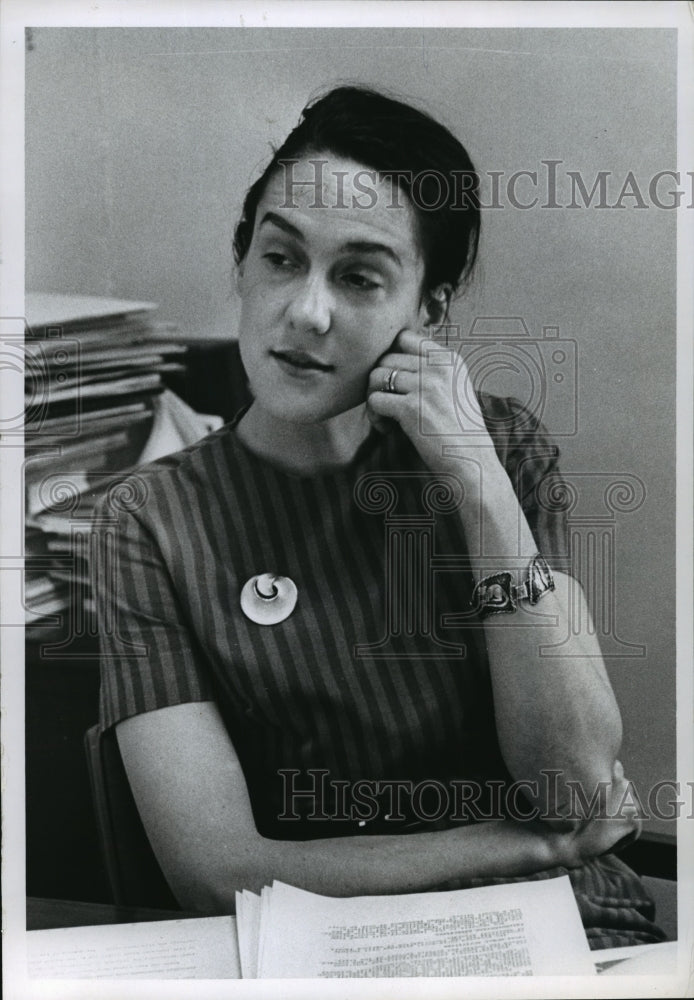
(305, 448)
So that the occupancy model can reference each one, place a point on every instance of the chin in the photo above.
(303, 411)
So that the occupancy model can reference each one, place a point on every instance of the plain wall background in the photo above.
(141, 142)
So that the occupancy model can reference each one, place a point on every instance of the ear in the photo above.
(435, 305)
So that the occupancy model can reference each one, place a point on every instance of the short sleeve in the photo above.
(149, 657)
(531, 460)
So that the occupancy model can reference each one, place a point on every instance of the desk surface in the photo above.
(46, 913)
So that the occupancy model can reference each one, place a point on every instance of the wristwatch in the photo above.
(498, 595)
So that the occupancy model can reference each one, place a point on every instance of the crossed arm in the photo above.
(194, 802)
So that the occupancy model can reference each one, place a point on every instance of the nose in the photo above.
(311, 307)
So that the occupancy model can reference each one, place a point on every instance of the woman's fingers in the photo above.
(410, 342)
(393, 379)
(394, 359)
(404, 357)
(602, 835)
(426, 388)
(393, 383)
(393, 405)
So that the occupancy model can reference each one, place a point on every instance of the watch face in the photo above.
(496, 595)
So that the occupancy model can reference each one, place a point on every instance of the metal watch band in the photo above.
(498, 595)
(540, 580)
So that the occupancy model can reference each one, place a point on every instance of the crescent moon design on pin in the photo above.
(268, 599)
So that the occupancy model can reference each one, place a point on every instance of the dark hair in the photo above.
(425, 160)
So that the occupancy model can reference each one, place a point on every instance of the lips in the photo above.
(302, 361)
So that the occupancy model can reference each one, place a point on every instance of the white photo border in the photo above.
(14, 16)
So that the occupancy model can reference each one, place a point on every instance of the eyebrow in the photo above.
(353, 246)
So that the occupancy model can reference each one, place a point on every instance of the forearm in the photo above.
(552, 712)
(379, 865)
(192, 796)
(559, 716)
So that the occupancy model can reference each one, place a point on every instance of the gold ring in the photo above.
(391, 380)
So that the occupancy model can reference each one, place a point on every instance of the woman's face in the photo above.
(331, 276)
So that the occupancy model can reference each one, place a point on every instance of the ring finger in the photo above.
(393, 379)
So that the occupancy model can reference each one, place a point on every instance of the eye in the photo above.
(279, 261)
(360, 282)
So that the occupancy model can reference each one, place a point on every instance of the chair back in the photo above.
(133, 871)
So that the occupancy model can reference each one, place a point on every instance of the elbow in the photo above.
(596, 774)
(608, 743)
(597, 763)
(204, 896)
(576, 790)
(615, 741)
(210, 889)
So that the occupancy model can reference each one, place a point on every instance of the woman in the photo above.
(329, 612)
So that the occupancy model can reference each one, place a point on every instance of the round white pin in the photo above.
(268, 599)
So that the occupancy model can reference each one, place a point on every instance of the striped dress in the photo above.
(377, 681)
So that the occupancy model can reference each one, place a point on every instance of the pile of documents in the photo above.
(93, 374)
(520, 929)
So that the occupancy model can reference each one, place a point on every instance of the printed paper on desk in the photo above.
(202, 948)
(523, 929)
(248, 929)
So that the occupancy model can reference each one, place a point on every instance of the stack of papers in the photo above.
(520, 929)
(93, 374)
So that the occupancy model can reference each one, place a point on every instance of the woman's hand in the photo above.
(617, 820)
(426, 387)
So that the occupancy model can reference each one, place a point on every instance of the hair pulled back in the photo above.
(396, 140)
